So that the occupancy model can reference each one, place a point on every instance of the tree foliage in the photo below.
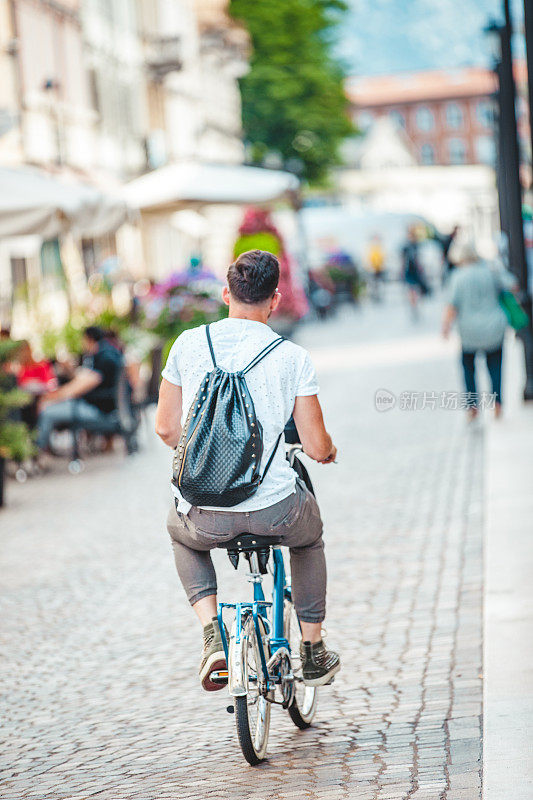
(293, 97)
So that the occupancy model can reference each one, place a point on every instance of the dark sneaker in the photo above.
(318, 664)
(213, 657)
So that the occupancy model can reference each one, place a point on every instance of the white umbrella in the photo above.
(32, 202)
(178, 185)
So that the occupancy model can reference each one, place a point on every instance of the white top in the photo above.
(475, 294)
(283, 375)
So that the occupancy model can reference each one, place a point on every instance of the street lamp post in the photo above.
(509, 181)
(501, 171)
(528, 30)
(511, 153)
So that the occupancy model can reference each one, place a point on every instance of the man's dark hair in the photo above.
(254, 276)
(94, 333)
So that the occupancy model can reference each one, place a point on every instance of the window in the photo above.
(397, 117)
(486, 150)
(19, 278)
(51, 265)
(457, 151)
(425, 119)
(105, 9)
(94, 91)
(125, 107)
(454, 116)
(427, 154)
(485, 113)
(88, 252)
(365, 120)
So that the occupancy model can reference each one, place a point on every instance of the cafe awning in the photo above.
(194, 183)
(34, 202)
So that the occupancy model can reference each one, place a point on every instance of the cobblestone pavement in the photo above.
(99, 649)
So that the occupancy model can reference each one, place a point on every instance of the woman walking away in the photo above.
(474, 293)
(412, 271)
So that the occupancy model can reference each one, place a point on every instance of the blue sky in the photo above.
(382, 36)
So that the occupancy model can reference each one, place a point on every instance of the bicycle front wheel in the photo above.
(303, 707)
(252, 711)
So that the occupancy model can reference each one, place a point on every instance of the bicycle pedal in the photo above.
(219, 676)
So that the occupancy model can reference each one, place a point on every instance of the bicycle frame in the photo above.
(278, 643)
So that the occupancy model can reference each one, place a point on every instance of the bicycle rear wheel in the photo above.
(303, 707)
(252, 711)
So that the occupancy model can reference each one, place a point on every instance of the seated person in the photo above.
(90, 395)
(35, 377)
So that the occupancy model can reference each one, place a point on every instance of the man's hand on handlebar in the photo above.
(332, 458)
(316, 441)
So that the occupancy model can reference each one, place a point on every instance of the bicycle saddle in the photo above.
(247, 543)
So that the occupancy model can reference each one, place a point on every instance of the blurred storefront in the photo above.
(46, 224)
(95, 95)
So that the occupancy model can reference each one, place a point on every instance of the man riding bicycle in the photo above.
(281, 384)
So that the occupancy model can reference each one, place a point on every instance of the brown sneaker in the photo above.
(213, 657)
(471, 414)
(319, 665)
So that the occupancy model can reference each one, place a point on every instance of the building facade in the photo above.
(448, 116)
(102, 91)
(382, 176)
(113, 62)
(194, 55)
(44, 90)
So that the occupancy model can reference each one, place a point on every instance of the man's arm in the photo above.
(450, 313)
(84, 381)
(316, 441)
(168, 414)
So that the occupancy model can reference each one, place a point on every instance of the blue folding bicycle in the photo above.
(263, 651)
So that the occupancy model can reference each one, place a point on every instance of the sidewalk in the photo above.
(508, 612)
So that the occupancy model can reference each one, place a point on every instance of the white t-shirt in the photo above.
(274, 383)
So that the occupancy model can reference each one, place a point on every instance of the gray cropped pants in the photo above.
(296, 519)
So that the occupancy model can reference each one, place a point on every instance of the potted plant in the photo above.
(258, 232)
(15, 441)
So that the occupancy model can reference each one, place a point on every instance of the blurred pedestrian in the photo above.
(320, 289)
(342, 271)
(413, 274)
(112, 337)
(446, 241)
(474, 302)
(375, 262)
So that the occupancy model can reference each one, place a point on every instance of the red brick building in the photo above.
(446, 114)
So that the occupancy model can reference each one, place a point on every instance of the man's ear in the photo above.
(275, 301)
(225, 295)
